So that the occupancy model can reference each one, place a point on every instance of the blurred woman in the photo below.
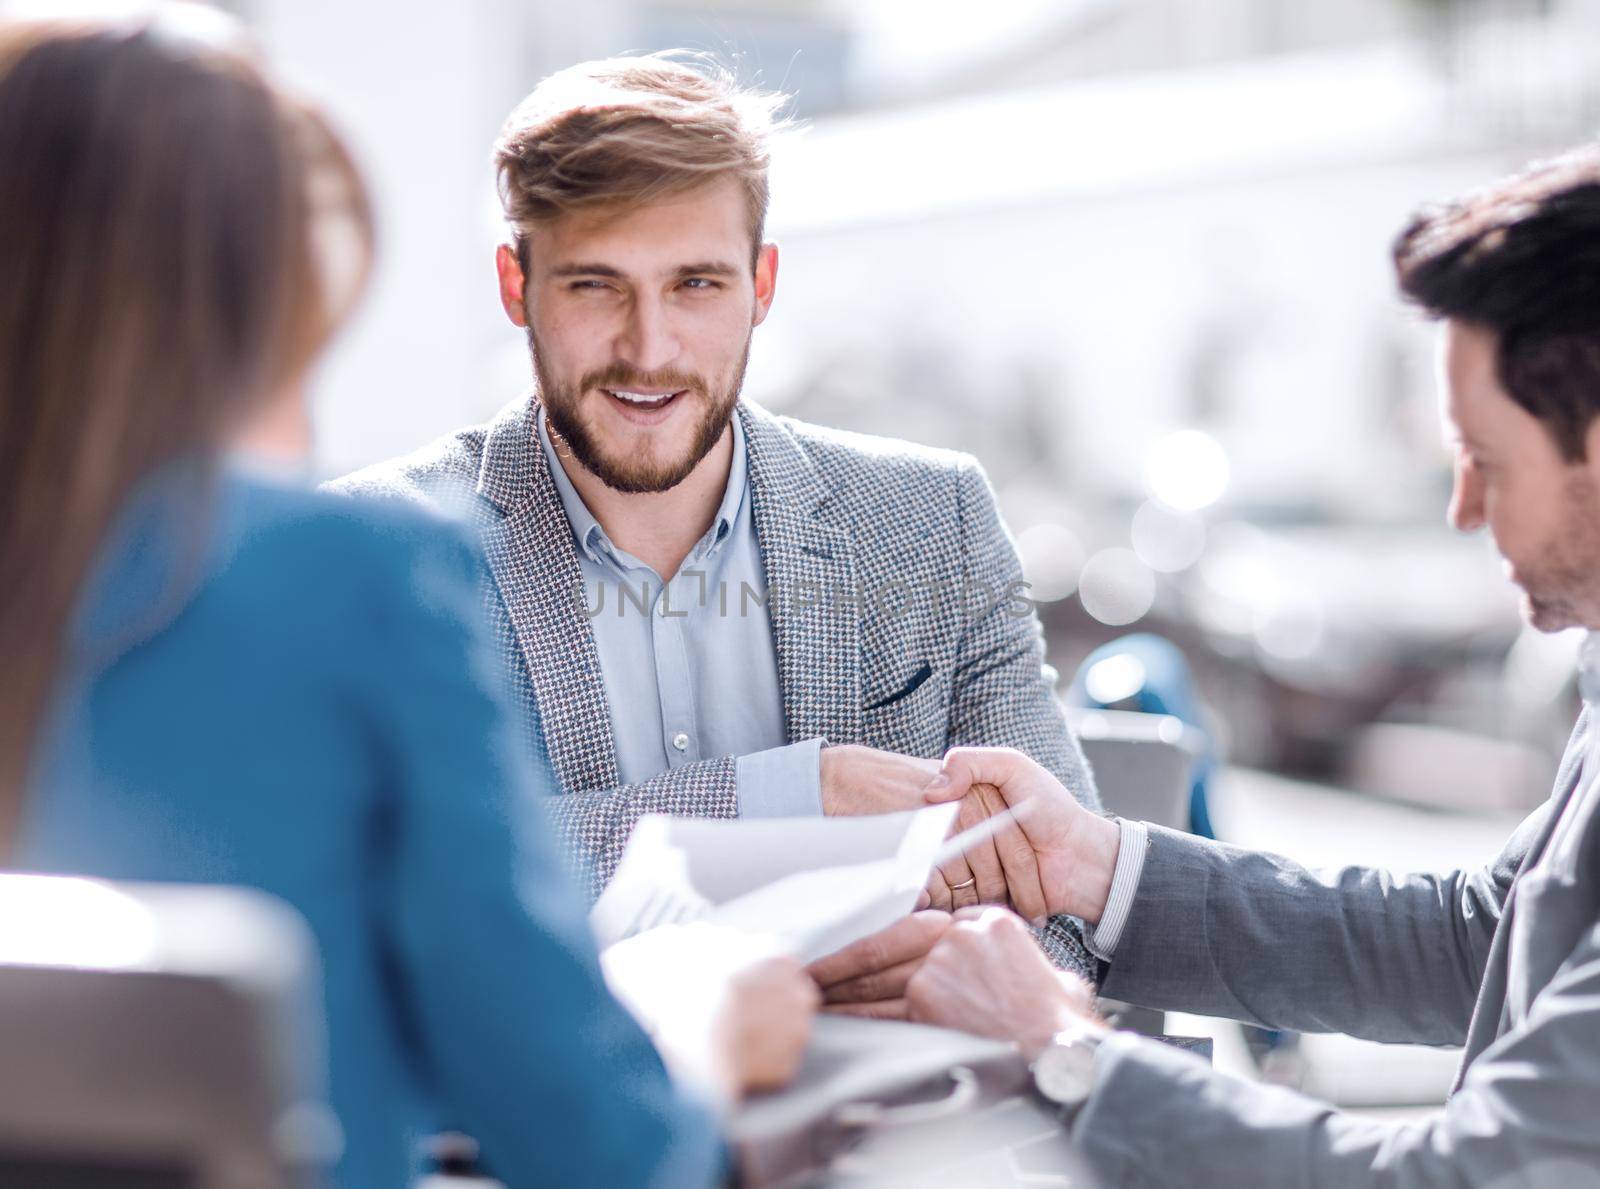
(212, 674)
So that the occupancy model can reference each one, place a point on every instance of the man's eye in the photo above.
(701, 283)
(590, 285)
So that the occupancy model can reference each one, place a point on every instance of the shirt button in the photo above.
(680, 741)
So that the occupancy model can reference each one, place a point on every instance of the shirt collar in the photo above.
(586, 531)
(733, 496)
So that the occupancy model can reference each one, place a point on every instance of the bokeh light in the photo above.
(1115, 678)
(1187, 470)
(1292, 630)
(1167, 540)
(1116, 587)
(1052, 559)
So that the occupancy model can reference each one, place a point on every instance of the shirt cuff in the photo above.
(1102, 939)
(782, 782)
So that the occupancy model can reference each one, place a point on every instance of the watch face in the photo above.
(1064, 1073)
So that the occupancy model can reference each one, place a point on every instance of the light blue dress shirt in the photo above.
(690, 668)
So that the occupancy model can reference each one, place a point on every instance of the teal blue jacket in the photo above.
(293, 693)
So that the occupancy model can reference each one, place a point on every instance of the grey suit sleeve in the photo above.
(1227, 932)
(1524, 1117)
(594, 824)
(1004, 692)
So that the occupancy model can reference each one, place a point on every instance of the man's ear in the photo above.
(512, 284)
(766, 281)
(1591, 446)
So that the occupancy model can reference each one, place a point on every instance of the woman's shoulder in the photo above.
(295, 545)
(289, 568)
(291, 517)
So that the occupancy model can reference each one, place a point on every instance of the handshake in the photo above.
(1049, 855)
(965, 959)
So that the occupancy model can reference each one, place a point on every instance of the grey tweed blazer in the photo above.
(896, 612)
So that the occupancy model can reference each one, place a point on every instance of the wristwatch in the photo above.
(1063, 1072)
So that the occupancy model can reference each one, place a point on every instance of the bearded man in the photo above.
(705, 609)
(1503, 961)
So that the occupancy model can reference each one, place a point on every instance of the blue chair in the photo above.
(1149, 674)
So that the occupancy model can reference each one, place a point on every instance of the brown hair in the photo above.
(623, 131)
(1522, 259)
(162, 207)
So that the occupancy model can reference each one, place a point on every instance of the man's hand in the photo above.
(988, 976)
(1074, 852)
(869, 977)
(860, 780)
(983, 876)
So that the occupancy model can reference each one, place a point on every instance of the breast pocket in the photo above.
(911, 715)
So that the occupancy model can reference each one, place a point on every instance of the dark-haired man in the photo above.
(692, 595)
(1505, 961)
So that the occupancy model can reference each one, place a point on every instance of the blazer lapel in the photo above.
(535, 566)
(813, 600)
(1489, 1013)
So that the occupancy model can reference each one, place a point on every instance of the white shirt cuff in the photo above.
(781, 782)
(1102, 939)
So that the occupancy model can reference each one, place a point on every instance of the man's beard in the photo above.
(637, 475)
(1562, 589)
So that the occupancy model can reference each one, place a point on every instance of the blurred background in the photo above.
(1133, 254)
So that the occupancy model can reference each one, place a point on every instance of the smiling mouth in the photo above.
(648, 402)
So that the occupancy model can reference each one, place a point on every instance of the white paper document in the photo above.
(814, 884)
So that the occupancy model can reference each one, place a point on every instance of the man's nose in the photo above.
(1466, 500)
(648, 341)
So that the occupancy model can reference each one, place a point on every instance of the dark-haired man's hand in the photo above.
(868, 977)
(862, 780)
(1074, 851)
(987, 976)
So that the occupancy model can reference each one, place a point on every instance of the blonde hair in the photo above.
(622, 132)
